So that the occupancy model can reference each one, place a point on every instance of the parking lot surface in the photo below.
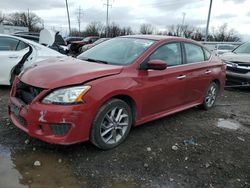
(193, 148)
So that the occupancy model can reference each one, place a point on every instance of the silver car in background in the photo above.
(238, 65)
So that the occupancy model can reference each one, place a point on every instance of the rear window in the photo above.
(21, 46)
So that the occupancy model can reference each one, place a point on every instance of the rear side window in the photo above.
(8, 44)
(194, 53)
(170, 53)
(21, 46)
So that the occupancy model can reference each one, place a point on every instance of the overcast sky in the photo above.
(135, 12)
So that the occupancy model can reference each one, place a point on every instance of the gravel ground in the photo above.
(193, 148)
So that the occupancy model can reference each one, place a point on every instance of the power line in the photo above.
(79, 17)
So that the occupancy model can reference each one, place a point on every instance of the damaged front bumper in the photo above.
(56, 124)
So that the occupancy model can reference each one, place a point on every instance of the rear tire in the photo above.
(211, 96)
(112, 124)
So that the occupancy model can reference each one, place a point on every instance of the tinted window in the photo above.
(21, 46)
(8, 44)
(194, 53)
(171, 53)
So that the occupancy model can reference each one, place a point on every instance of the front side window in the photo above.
(170, 53)
(8, 44)
(117, 51)
(194, 53)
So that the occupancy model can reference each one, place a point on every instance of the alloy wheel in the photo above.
(211, 95)
(114, 125)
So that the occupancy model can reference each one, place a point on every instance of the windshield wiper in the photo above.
(95, 60)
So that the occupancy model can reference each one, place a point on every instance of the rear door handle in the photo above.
(208, 72)
(181, 77)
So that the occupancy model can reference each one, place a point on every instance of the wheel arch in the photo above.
(130, 101)
(217, 82)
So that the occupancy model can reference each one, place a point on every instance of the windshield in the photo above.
(117, 51)
(225, 47)
(244, 48)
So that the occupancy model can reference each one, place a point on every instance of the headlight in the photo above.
(70, 95)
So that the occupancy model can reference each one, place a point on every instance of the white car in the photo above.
(223, 48)
(18, 53)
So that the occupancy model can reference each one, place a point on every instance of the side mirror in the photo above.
(157, 64)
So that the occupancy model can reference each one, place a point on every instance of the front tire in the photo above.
(211, 96)
(112, 124)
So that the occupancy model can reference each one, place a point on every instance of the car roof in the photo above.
(164, 38)
(153, 37)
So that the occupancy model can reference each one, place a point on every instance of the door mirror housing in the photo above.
(156, 64)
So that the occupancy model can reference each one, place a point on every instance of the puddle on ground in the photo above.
(231, 125)
(17, 170)
(228, 124)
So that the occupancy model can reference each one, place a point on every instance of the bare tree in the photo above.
(197, 34)
(94, 29)
(30, 20)
(146, 29)
(187, 31)
(223, 34)
(2, 18)
(174, 30)
(114, 30)
(126, 31)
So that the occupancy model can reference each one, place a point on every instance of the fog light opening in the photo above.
(60, 129)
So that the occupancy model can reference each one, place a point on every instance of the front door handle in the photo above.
(181, 77)
(208, 72)
(13, 57)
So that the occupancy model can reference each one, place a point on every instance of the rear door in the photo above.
(11, 53)
(198, 71)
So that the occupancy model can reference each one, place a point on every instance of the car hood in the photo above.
(56, 73)
(230, 56)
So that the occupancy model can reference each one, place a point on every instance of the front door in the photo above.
(10, 55)
(163, 90)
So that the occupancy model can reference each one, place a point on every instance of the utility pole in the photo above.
(79, 16)
(68, 16)
(183, 21)
(107, 17)
(28, 19)
(208, 19)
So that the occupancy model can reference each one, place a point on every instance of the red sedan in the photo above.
(120, 83)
